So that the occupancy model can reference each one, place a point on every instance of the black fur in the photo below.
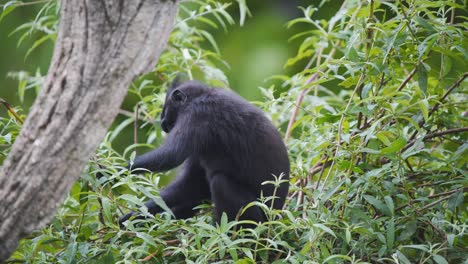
(228, 149)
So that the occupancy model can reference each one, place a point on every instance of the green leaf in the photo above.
(350, 81)
(348, 235)
(147, 238)
(408, 230)
(106, 207)
(344, 257)
(224, 221)
(424, 106)
(426, 25)
(116, 131)
(38, 42)
(422, 78)
(210, 39)
(390, 234)
(378, 205)
(21, 89)
(423, 248)
(439, 259)
(243, 11)
(208, 22)
(426, 46)
(233, 253)
(160, 202)
(222, 251)
(352, 55)
(410, 120)
(71, 253)
(446, 65)
(403, 258)
(383, 137)
(455, 201)
(332, 191)
(326, 229)
(389, 203)
(131, 198)
(245, 260)
(106, 258)
(365, 90)
(306, 248)
(395, 146)
(7, 8)
(328, 118)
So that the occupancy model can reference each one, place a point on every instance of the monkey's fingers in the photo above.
(126, 217)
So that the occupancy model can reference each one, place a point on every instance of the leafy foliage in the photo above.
(376, 127)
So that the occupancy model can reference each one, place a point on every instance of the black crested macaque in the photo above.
(228, 149)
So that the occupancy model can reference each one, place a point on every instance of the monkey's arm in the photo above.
(169, 155)
(161, 159)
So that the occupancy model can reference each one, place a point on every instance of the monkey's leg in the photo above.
(188, 190)
(230, 196)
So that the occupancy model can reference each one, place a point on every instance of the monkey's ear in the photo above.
(178, 96)
(178, 80)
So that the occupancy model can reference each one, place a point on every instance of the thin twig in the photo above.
(135, 125)
(407, 79)
(436, 134)
(408, 22)
(340, 128)
(131, 114)
(432, 204)
(448, 194)
(402, 85)
(299, 100)
(452, 15)
(427, 184)
(300, 196)
(446, 132)
(11, 110)
(322, 169)
(150, 256)
(409, 165)
(292, 120)
(453, 87)
(172, 241)
(437, 105)
(442, 234)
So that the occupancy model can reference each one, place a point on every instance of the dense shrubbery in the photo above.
(376, 127)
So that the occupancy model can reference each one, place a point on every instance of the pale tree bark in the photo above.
(102, 46)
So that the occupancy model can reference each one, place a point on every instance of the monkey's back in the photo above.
(242, 143)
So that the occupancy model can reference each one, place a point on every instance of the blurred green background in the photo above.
(256, 51)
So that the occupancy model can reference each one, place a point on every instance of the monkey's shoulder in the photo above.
(227, 102)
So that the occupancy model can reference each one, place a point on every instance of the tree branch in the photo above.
(453, 87)
(433, 135)
(437, 105)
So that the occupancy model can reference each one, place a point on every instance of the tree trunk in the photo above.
(101, 47)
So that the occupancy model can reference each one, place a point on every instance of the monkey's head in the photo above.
(178, 98)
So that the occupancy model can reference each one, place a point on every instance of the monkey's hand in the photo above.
(130, 216)
(126, 217)
(99, 173)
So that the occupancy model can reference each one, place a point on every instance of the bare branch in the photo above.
(437, 134)
(11, 110)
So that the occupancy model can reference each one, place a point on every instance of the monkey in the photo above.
(227, 147)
